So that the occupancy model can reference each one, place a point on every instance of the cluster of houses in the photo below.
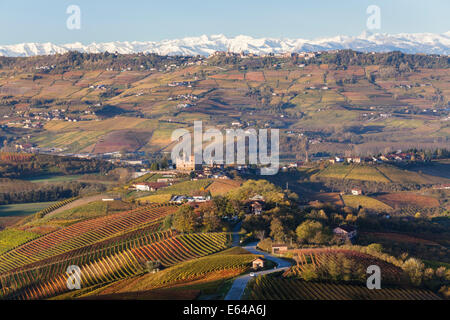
(180, 84)
(165, 67)
(31, 120)
(318, 88)
(30, 148)
(98, 87)
(191, 199)
(188, 97)
(391, 157)
(244, 54)
(347, 159)
(46, 68)
(445, 186)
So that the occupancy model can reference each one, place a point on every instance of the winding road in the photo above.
(239, 285)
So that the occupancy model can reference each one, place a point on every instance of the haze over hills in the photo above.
(428, 43)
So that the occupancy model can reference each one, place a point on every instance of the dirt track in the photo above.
(76, 203)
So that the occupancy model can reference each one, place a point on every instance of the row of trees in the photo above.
(187, 219)
(39, 164)
(401, 61)
(92, 61)
(210, 216)
(47, 193)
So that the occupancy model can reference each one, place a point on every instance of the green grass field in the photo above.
(10, 238)
(366, 173)
(157, 198)
(365, 202)
(23, 209)
(334, 171)
(53, 178)
(93, 209)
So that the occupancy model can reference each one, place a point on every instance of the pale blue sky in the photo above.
(111, 20)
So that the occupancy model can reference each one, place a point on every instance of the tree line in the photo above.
(46, 193)
(40, 164)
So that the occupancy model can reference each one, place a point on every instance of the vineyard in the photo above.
(113, 260)
(277, 288)
(82, 234)
(195, 268)
(314, 259)
(15, 157)
(228, 263)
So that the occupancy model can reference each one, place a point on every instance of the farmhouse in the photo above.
(257, 197)
(149, 186)
(112, 198)
(256, 204)
(135, 162)
(353, 159)
(178, 199)
(442, 187)
(356, 192)
(258, 264)
(345, 232)
(199, 198)
(256, 208)
(166, 180)
(196, 198)
(279, 248)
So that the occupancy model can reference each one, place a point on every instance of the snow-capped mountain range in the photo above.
(429, 43)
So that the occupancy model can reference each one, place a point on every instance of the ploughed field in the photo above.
(105, 249)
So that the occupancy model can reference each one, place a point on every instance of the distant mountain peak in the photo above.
(205, 45)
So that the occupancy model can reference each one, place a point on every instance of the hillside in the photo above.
(341, 102)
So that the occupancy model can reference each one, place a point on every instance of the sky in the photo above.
(148, 20)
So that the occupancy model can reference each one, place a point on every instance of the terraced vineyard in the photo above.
(227, 263)
(111, 263)
(51, 267)
(82, 234)
(276, 288)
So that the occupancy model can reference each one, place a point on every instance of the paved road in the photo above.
(239, 285)
(235, 237)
